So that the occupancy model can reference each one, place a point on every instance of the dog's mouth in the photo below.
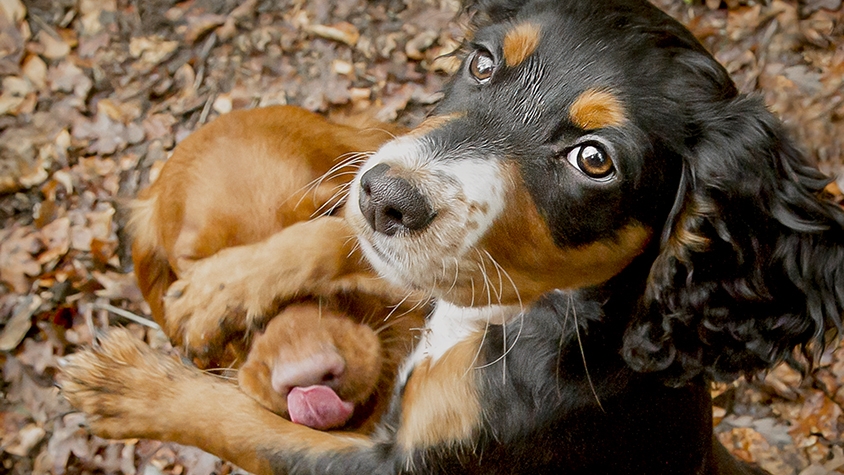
(318, 407)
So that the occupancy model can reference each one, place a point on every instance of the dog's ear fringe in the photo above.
(485, 12)
(751, 268)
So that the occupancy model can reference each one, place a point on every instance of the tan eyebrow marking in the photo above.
(597, 108)
(434, 122)
(520, 42)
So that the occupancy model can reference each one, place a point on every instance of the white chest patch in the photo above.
(450, 324)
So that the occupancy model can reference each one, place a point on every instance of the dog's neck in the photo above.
(449, 324)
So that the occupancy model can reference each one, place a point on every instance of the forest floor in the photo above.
(96, 93)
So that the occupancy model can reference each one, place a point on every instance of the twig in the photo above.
(126, 314)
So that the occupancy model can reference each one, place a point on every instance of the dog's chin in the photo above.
(455, 279)
(386, 267)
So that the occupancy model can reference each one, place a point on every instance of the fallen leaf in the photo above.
(20, 323)
(17, 262)
(54, 48)
(343, 32)
(13, 10)
(151, 50)
(27, 438)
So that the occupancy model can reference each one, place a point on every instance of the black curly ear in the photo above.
(752, 259)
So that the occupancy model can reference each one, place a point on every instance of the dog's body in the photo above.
(257, 175)
(592, 146)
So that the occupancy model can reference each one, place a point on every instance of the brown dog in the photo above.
(246, 178)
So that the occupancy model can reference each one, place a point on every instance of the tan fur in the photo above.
(834, 190)
(223, 242)
(440, 403)
(305, 329)
(543, 266)
(159, 398)
(156, 397)
(520, 42)
(596, 109)
(433, 122)
(236, 181)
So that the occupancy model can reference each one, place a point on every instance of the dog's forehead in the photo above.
(594, 59)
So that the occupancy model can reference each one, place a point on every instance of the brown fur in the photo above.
(440, 403)
(520, 42)
(152, 383)
(596, 109)
(223, 242)
(157, 397)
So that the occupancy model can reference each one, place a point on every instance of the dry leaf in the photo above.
(20, 323)
(17, 262)
(343, 32)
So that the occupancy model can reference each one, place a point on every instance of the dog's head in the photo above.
(579, 136)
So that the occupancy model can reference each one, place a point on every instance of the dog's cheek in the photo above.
(543, 265)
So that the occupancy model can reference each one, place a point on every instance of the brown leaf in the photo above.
(17, 264)
(118, 286)
(54, 47)
(28, 437)
(20, 323)
(818, 416)
(67, 77)
(199, 25)
(56, 239)
(343, 32)
(152, 50)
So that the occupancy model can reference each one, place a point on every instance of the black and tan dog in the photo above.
(606, 225)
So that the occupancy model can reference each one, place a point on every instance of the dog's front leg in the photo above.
(129, 390)
(227, 294)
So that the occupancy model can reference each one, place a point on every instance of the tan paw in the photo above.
(216, 301)
(121, 386)
(226, 295)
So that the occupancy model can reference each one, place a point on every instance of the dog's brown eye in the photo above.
(592, 160)
(482, 65)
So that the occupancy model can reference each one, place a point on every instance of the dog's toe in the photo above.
(117, 384)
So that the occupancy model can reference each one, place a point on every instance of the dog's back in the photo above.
(238, 180)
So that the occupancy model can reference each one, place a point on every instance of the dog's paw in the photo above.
(121, 386)
(216, 301)
(222, 297)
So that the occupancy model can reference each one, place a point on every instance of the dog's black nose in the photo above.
(391, 203)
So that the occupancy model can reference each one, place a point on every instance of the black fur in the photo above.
(764, 274)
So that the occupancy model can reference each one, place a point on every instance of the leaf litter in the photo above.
(96, 93)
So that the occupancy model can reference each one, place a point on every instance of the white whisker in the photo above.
(354, 159)
(502, 270)
(583, 354)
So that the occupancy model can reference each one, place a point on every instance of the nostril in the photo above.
(393, 214)
(391, 203)
(332, 377)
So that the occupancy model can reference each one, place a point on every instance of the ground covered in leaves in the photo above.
(96, 93)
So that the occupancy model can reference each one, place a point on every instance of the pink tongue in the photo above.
(318, 407)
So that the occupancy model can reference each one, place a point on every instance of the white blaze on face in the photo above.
(466, 190)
